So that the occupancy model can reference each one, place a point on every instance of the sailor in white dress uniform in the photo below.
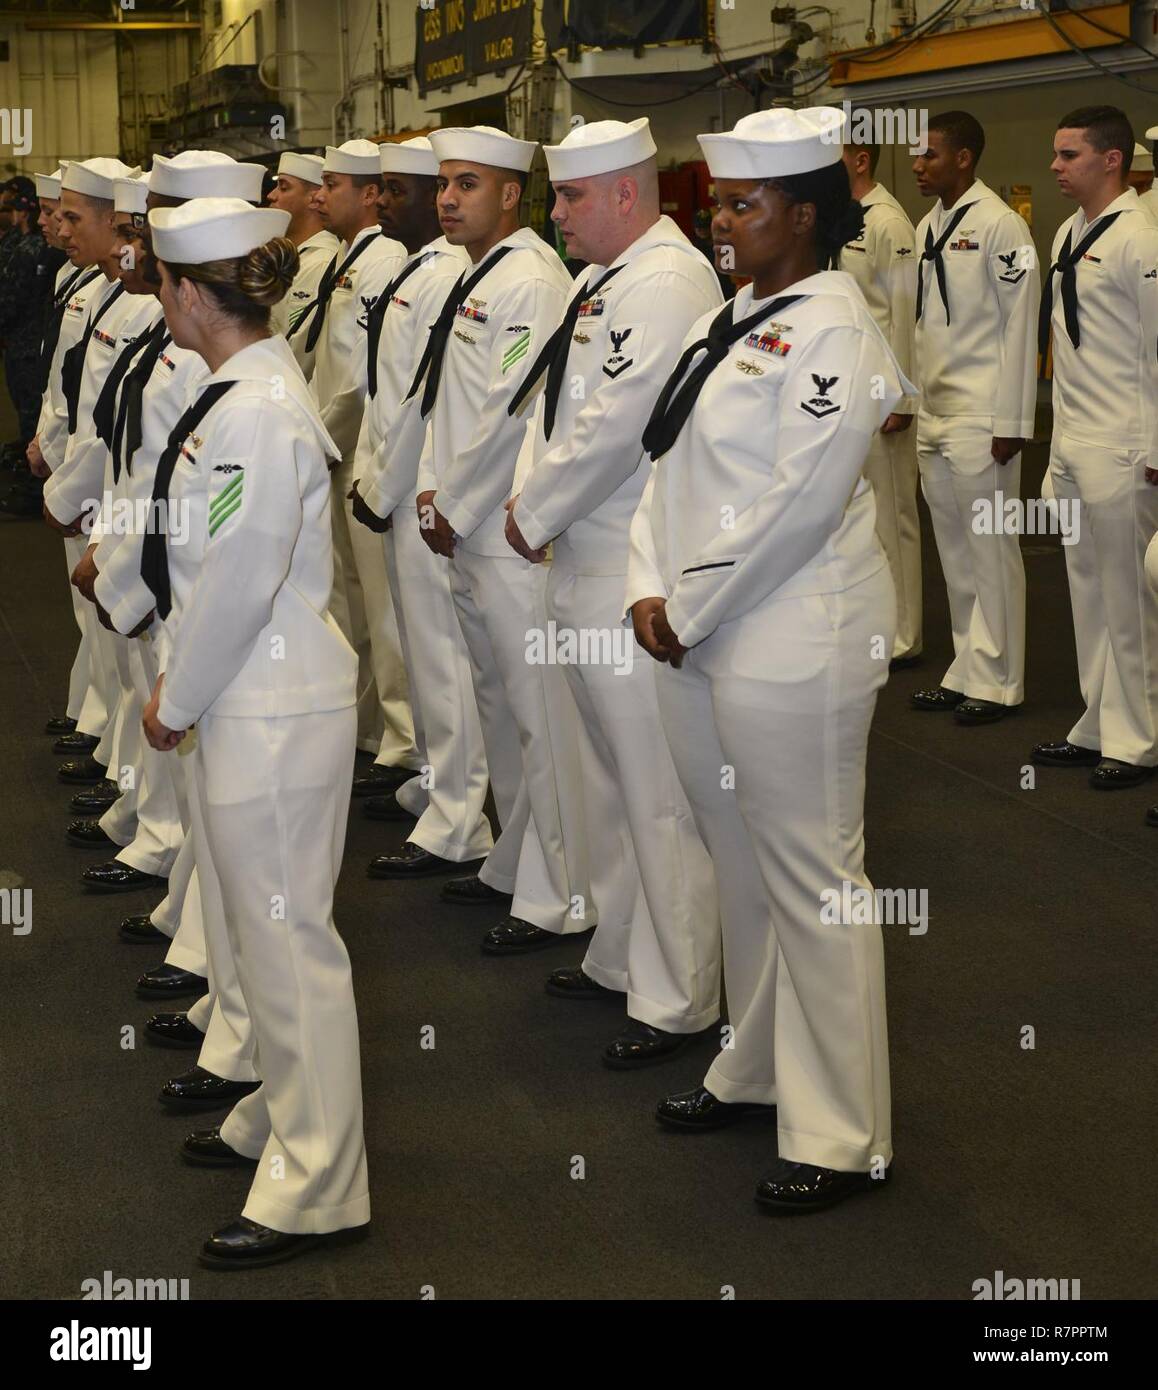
(299, 177)
(758, 580)
(254, 660)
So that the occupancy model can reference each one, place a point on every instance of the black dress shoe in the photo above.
(1064, 754)
(115, 877)
(573, 983)
(59, 726)
(1112, 775)
(972, 711)
(1152, 816)
(513, 936)
(83, 770)
(385, 807)
(173, 1030)
(699, 1109)
(902, 663)
(793, 1187)
(75, 744)
(381, 779)
(938, 698)
(96, 801)
(641, 1045)
(207, 1149)
(198, 1089)
(89, 835)
(473, 892)
(246, 1245)
(167, 982)
(141, 932)
(411, 862)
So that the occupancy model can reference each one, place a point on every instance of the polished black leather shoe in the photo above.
(641, 1045)
(1111, 775)
(198, 1089)
(89, 835)
(74, 744)
(246, 1245)
(1152, 816)
(699, 1109)
(980, 711)
(513, 936)
(903, 663)
(385, 807)
(115, 877)
(939, 698)
(410, 862)
(96, 801)
(167, 982)
(473, 892)
(1064, 754)
(207, 1149)
(793, 1187)
(573, 983)
(141, 932)
(83, 770)
(381, 779)
(62, 725)
(173, 1030)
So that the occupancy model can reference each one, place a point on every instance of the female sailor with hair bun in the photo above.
(252, 658)
(757, 578)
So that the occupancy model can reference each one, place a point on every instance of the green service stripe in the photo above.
(519, 350)
(215, 522)
(226, 495)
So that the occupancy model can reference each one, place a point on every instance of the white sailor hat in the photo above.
(1152, 134)
(415, 156)
(772, 144)
(96, 177)
(213, 229)
(307, 167)
(599, 147)
(205, 174)
(48, 185)
(354, 157)
(483, 144)
(130, 195)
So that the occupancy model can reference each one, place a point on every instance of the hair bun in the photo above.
(268, 271)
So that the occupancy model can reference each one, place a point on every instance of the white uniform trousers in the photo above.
(529, 724)
(79, 676)
(984, 574)
(273, 798)
(126, 739)
(362, 607)
(451, 819)
(178, 914)
(891, 468)
(98, 715)
(782, 699)
(1115, 614)
(672, 951)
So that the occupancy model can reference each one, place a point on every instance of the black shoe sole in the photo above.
(82, 843)
(154, 938)
(120, 887)
(188, 1103)
(1118, 786)
(446, 868)
(1081, 763)
(489, 950)
(765, 1112)
(583, 994)
(205, 1161)
(616, 1064)
(223, 1263)
(174, 1043)
(804, 1208)
(933, 709)
(187, 992)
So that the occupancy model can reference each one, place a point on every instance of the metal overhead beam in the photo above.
(172, 26)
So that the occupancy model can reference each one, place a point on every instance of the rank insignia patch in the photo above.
(822, 403)
(1011, 275)
(517, 350)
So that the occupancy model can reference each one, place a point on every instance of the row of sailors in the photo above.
(369, 496)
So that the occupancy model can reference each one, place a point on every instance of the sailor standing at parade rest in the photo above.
(977, 296)
(1100, 297)
(299, 177)
(488, 332)
(75, 285)
(335, 324)
(658, 940)
(452, 827)
(757, 579)
(883, 262)
(253, 659)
